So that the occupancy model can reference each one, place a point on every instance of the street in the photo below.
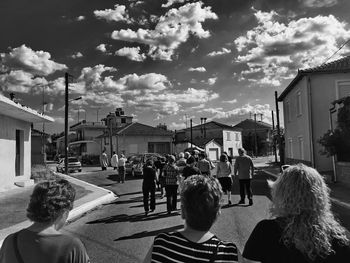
(119, 232)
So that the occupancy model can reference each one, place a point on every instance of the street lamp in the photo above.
(66, 76)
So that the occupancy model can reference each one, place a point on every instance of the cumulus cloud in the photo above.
(274, 50)
(172, 29)
(80, 18)
(77, 55)
(119, 13)
(318, 3)
(171, 2)
(230, 101)
(212, 81)
(237, 113)
(177, 126)
(223, 51)
(132, 53)
(199, 69)
(102, 48)
(28, 60)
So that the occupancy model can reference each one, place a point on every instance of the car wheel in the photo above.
(79, 170)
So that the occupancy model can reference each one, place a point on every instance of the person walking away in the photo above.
(200, 207)
(171, 174)
(121, 168)
(114, 161)
(223, 174)
(104, 160)
(43, 241)
(245, 168)
(190, 169)
(303, 228)
(149, 187)
(203, 164)
(181, 162)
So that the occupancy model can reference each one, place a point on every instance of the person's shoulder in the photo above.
(167, 236)
(268, 225)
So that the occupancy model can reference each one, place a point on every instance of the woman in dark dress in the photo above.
(149, 187)
(304, 229)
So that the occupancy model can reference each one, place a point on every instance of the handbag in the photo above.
(215, 252)
(15, 245)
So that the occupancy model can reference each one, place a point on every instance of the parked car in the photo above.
(134, 164)
(73, 165)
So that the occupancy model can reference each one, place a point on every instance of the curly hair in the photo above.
(49, 200)
(301, 197)
(223, 158)
(200, 198)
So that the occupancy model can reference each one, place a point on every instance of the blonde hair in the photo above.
(301, 197)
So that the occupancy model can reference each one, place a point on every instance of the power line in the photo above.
(336, 51)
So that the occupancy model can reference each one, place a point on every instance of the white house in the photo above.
(15, 142)
(212, 136)
(306, 104)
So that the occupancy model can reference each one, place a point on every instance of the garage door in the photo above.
(213, 154)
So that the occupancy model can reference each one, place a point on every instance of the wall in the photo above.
(8, 128)
(134, 144)
(298, 125)
(323, 88)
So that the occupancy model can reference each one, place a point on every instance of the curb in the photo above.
(76, 212)
(334, 200)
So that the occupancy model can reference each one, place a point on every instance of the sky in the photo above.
(164, 61)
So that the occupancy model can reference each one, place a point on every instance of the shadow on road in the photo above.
(133, 218)
(151, 233)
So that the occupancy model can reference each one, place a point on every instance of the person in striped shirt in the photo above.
(200, 207)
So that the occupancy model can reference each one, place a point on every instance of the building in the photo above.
(136, 138)
(15, 142)
(39, 142)
(306, 103)
(213, 137)
(257, 137)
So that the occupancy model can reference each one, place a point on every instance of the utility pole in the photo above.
(110, 136)
(66, 76)
(280, 147)
(273, 137)
(255, 137)
(191, 131)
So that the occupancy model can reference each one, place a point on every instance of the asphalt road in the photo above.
(119, 232)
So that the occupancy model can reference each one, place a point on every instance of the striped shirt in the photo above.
(171, 173)
(174, 247)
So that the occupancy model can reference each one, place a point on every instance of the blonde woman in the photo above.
(223, 173)
(304, 228)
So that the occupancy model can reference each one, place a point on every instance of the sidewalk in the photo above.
(340, 193)
(96, 197)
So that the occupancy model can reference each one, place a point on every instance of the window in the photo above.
(228, 134)
(123, 120)
(288, 112)
(290, 148)
(301, 147)
(106, 139)
(237, 136)
(342, 89)
(299, 104)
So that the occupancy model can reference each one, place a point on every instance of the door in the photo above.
(19, 153)
(213, 154)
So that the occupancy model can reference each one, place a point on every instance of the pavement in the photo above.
(98, 196)
(340, 193)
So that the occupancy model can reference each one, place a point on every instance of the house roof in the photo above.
(36, 132)
(139, 129)
(337, 66)
(249, 124)
(212, 124)
(18, 111)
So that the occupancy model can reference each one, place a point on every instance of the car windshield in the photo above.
(72, 160)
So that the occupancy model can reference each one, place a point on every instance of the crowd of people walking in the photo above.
(302, 227)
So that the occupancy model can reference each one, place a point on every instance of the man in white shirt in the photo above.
(121, 168)
(114, 161)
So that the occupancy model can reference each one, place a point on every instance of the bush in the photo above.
(42, 173)
(90, 159)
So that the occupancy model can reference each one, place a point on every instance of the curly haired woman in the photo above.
(304, 229)
(42, 242)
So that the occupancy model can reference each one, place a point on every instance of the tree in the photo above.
(337, 142)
